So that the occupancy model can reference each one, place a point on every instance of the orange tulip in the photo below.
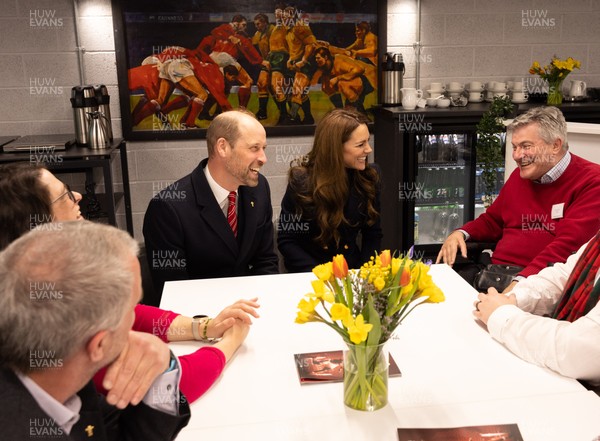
(340, 266)
(385, 257)
(405, 276)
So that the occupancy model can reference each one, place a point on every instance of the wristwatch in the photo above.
(196, 321)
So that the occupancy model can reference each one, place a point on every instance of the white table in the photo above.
(453, 373)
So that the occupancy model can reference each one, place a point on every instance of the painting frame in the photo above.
(147, 30)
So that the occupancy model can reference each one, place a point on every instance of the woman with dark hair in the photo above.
(30, 196)
(25, 200)
(332, 196)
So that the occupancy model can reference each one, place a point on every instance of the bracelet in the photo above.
(206, 322)
(196, 324)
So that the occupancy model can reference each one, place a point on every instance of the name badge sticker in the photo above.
(557, 211)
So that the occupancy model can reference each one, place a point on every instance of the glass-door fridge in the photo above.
(447, 190)
(442, 200)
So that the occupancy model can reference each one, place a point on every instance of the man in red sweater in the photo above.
(548, 207)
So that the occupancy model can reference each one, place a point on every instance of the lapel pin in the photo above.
(90, 431)
(252, 204)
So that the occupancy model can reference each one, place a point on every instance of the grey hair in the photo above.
(550, 120)
(59, 285)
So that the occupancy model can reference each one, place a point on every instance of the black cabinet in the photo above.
(429, 169)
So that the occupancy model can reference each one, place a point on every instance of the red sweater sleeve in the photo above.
(153, 321)
(199, 371)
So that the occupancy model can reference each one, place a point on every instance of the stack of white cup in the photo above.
(476, 93)
(436, 89)
(518, 92)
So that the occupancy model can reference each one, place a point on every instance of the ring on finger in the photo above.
(477, 305)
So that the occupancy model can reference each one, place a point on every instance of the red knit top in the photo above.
(199, 370)
(528, 223)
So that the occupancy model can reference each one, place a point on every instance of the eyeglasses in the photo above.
(67, 192)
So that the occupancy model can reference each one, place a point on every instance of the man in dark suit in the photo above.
(67, 299)
(216, 221)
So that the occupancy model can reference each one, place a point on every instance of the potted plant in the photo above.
(489, 144)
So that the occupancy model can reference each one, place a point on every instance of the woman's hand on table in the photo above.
(233, 337)
(228, 317)
(486, 304)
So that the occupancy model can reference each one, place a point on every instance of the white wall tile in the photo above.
(100, 68)
(501, 61)
(447, 7)
(473, 29)
(521, 29)
(96, 33)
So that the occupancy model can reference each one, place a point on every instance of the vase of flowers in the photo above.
(555, 73)
(365, 306)
(365, 377)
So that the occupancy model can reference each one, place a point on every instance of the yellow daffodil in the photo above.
(306, 311)
(340, 266)
(359, 330)
(323, 271)
(379, 283)
(308, 305)
(396, 263)
(321, 291)
(339, 311)
(434, 294)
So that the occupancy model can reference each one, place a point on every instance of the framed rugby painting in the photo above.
(181, 63)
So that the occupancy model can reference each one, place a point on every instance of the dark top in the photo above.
(22, 419)
(296, 234)
(187, 235)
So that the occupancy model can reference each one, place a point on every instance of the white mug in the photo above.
(519, 96)
(454, 85)
(437, 87)
(475, 96)
(491, 85)
(500, 87)
(518, 86)
(475, 86)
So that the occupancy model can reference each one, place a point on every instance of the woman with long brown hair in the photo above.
(332, 196)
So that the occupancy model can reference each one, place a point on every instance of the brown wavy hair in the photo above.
(320, 180)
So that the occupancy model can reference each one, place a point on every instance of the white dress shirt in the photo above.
(569, 348)
(220, 193)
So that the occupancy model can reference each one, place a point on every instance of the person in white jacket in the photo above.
(552, 319)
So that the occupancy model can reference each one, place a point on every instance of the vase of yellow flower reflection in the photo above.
(365, 377)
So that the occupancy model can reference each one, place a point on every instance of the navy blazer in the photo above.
(296, 235)
(22, 419)
(187, 236)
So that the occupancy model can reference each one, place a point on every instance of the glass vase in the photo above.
(555, 96)
(365, 377)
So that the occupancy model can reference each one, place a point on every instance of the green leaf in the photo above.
(373, 318)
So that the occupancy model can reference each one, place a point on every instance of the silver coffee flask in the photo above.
(393, 73)
(103, 99)
(97, 131)
(83, 101)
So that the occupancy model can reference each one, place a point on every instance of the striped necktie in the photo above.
(231, 213)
